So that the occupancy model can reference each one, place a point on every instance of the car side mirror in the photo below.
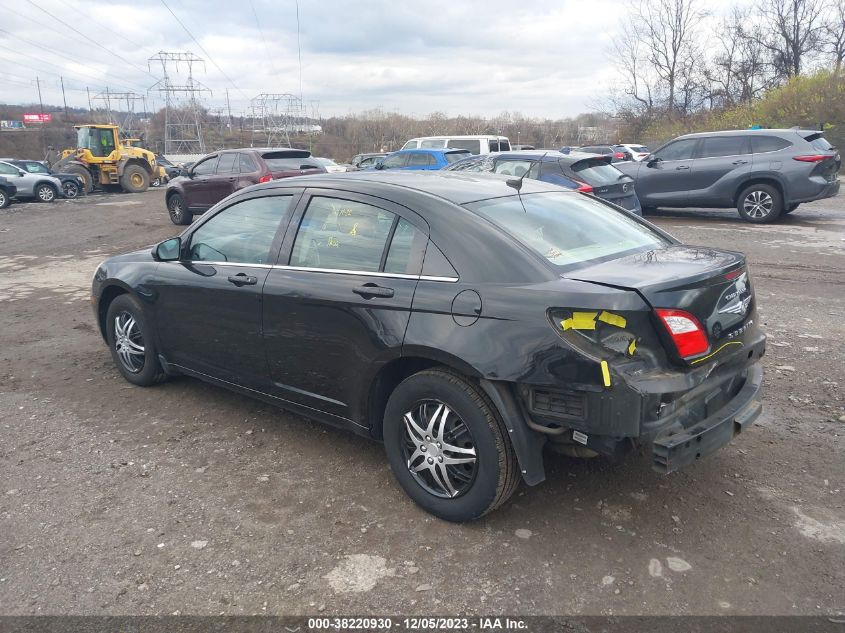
(21, 172)
(651, 161)
(168, 250)
(379, 165)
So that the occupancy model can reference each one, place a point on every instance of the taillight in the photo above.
(812, 158)
(584, 187)
(266, 178)
(685, 331)
(619, 155)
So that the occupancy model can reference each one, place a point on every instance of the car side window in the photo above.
(406, 249)
(420, 159)
(247, 164)
(518, 168)
(679, 150)
(397, 160)
(341, 235)
(433, 143)
(5, 168)
(761, 144)
(241, 233)
(36, 168)
(206, 167)
(227, 164)
(716, 146)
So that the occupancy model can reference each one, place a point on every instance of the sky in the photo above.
(543, 58)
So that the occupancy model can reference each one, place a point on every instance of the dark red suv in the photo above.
(217, 175)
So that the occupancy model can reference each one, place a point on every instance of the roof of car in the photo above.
(434, 150)
(533, 154)
(755, 131)
(455, 187)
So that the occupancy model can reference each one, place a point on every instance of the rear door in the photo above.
(718, 167)
(207, 306)
(396, 161)
(248, 171)
(665, 179)
(337, 305)
(197, 187)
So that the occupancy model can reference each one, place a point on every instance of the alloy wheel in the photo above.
(758, 204)
(128, 342)
(71, 190)
(176, 208)
(439, 449)
(46, 193)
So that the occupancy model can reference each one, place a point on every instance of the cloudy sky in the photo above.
(539, 57)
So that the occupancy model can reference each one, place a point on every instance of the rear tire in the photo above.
(5, 200)
(790, 208)
(457, 467)
(45, 193)
(131, 342)
(760, 204)
(179, 213)
(71, 189)
(135, 179)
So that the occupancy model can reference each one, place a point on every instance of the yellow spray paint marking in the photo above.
(334, 242)
(354, 230)
(712, 354)
(632, 347)
(605, 373)
(612, 319)
(580, 321)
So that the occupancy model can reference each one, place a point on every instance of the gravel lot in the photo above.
(188, 498)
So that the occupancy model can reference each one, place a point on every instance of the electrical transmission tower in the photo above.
(182, 111)
(275, 117)
(113, 102)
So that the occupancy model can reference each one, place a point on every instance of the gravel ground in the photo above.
(187, 498)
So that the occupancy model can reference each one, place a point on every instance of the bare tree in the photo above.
(833, 34)
(793, 29)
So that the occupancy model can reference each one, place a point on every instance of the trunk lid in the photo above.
(712, 285)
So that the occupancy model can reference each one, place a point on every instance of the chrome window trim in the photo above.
(306, 269)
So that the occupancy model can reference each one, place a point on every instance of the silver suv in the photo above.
(39, 186)
(762, 173)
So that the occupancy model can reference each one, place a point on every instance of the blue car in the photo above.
(422, 158)
(576, 170)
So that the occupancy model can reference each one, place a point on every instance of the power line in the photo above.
(270, 58)
(210, 58)
(95, 43)
(104, 26)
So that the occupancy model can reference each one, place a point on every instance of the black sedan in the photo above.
(585, 172)
(7, 191)
(466, 320)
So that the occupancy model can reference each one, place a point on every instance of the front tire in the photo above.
(448, 447)
(760, 204)
(179, 213)
(45, 193)
(131, 342)
(135, 179)
(5, 200)
(71, 189)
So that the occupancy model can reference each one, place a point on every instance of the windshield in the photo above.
(569, 229)
(596, 172)
(83, 138)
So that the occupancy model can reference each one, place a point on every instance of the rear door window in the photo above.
(411, 145)
(397, 160)
(247, 165)
(504, 146)
(679, 150)
(227, 164)
(716, 146)
(433, 143)
(406, 250)
(338, 234)
(420, 159)
(473, 145)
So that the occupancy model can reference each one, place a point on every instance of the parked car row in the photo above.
(33, 180)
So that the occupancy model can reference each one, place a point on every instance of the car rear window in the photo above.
(761, 144)
(595, 172)
(281, 161)
(640, 149)
(569, 229)
(819, 142)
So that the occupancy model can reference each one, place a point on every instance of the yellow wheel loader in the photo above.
(102, 160)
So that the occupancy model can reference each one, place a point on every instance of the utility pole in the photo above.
(41, 111)
(90, 107)
(64, 99)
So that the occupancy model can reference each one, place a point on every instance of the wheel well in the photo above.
(45, 182)
(387, 380)
(109, 294)
(137, 161)
(774, 182)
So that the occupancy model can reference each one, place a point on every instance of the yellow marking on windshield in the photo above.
(632, 347)
(612, 319)
(605, 373)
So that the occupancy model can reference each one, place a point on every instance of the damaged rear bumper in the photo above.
(675, 448)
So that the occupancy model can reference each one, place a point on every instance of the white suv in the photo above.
(483, 144)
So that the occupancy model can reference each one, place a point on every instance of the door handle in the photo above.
(368, 291)
(740, 162)
(242, 279)
(680, 167)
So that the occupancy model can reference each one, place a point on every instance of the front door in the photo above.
(720, 163)
(207, 306)
(665, 180)
(336, 309)
(197, 185)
